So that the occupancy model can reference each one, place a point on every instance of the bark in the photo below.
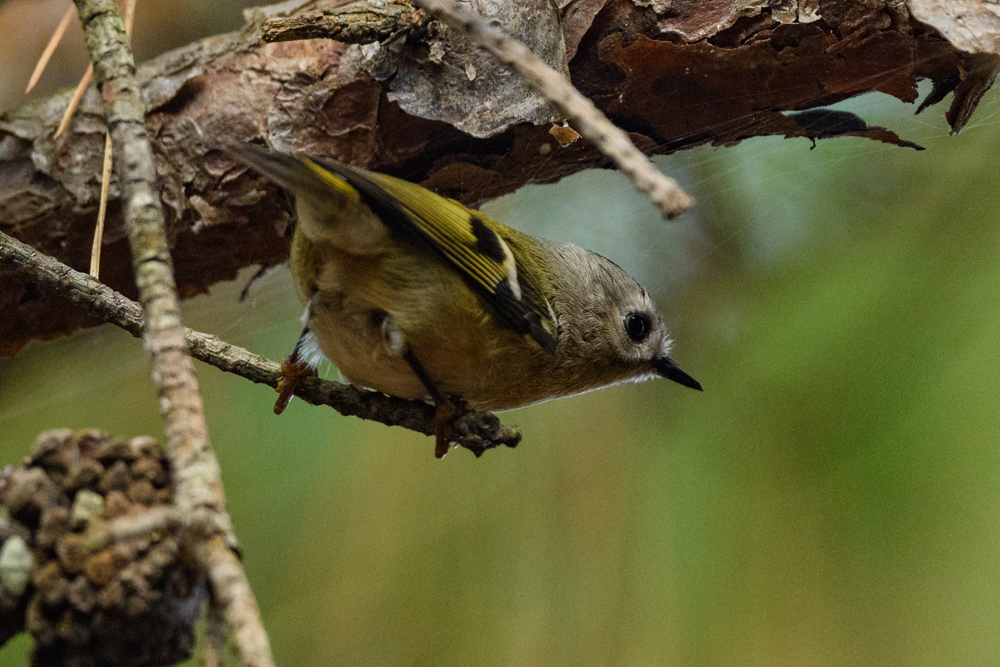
(568, 102)
(672, 74)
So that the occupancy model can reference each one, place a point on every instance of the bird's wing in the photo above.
(464, 237)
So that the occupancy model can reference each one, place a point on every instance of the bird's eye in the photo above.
(637, 327)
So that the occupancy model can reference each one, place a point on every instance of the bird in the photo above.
(415, 295)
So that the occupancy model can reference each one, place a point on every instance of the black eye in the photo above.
(637, 327)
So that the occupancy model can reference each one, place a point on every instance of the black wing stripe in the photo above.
(487, 241)
(520, 315)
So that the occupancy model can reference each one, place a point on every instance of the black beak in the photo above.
(669, 369)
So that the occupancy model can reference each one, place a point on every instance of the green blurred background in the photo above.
(832, 498)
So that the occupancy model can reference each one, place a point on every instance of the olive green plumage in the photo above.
(393, 275)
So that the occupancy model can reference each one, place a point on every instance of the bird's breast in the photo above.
(447, 327)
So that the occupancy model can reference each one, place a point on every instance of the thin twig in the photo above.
(197, 480)
(354, 23)
(476, 431)
(102, 533)
(50, 48)
(158, 519)
(586, 118)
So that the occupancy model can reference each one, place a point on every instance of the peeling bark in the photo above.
(673, 74)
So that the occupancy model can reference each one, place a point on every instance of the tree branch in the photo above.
(613, 142)
(476, 431)
(196, 477)
(353, 23)
(672, 81)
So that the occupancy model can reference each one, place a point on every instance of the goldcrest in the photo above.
(415, 295)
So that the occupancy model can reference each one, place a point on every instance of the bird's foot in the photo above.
(293, 369)
(446, 410)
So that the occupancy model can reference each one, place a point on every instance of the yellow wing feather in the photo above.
(466, 238)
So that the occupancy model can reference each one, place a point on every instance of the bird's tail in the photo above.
(329, 209)
(299, 176)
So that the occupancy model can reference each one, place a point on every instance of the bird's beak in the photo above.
(669, 369)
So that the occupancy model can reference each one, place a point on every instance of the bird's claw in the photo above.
(293, 370)
(446, 410)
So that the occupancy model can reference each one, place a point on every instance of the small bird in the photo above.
(417, 296)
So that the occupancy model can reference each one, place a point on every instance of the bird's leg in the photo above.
(445, 410)
(293, 368)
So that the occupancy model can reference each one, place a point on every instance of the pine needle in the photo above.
(95, 251)
(129, 16)
(50, 48)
